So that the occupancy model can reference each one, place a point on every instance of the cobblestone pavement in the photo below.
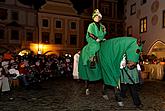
(68, 95)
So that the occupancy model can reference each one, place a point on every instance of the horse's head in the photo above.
(133, 53)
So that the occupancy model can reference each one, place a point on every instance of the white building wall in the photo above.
(154, 32)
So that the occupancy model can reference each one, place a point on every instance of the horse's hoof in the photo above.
(106, 97)
(121, 104)
(87, 92)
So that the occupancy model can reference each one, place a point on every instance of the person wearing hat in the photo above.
(95, 34)
(88, 68)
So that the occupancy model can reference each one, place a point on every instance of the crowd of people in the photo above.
(29, 70)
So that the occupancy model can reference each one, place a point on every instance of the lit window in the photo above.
(143, 25)
(164, 19)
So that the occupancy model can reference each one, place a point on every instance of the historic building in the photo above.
(56, 28)
(17, 25)
(146, 19)
(62, 30)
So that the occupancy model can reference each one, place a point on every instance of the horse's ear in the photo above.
(138, 42)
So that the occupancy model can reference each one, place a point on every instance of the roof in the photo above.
(64, 7)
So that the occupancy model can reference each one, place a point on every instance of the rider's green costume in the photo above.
(89, 51)
(92, 47)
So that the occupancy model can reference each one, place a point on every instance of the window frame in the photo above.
(142, 2)
(163, 19)
(43, 23)
(2, 34)
(129, 30)
(75, 39)
(45, 39)
(29, 33)
(143, 25)
(12, 36)
(73, 25)
(133, 9)
(13, 16)
(58, 36)
(57, 25)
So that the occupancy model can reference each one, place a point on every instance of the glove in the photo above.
(104, 39)
(98, 40)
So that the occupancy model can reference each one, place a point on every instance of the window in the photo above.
(73, 39)
(143, 25)
(129, 31)
(45, 22)
(133, 9)
(164, 19)
(3, 14)
(29, 36)
(58, 38)
(14, 35)
(112, 28)
(45, 37)
(58, 24)
(143, 2)
(73, 25)
(120, 28)
(2, 33)
(105, 10)
(14, 15)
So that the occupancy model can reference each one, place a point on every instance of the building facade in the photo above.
(58, 27)
(62, 30)
(17, 25)
(146, 19)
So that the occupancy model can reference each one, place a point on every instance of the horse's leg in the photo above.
(105, 92)
(118, 97)
(87, 87)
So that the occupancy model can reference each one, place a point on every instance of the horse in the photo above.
(108, 64)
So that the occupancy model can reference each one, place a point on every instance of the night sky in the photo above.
(80, 5)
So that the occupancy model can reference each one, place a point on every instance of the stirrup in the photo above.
(93, 62)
